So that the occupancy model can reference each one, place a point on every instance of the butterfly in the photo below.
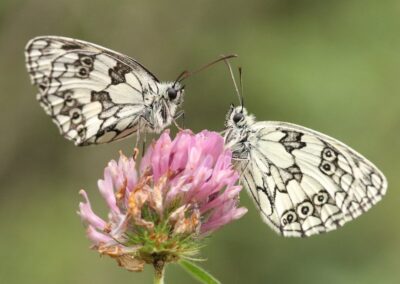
(303, 182)
(95, 95)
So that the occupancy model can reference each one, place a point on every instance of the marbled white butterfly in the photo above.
(95, 95)
(303, 182)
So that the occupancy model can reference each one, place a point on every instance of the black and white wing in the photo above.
(94, 95)
(306, 183)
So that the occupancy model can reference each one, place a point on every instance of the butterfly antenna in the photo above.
(186, 74)
(234, 81)
(180, 76)
(241, 86)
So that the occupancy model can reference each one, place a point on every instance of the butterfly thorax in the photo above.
(238, 131)
(161, 105)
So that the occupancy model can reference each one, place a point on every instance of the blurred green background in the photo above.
(329, 65)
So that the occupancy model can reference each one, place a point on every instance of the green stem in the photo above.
(159, 270)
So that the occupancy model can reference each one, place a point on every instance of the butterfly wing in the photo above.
(94, 95)
(305, 182)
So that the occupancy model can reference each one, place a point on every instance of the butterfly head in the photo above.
(173, 93)
(237, 117)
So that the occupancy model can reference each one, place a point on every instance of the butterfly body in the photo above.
(95, 95)
(160, 112)
(302, 181)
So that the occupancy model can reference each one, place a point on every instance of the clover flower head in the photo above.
(159, 212)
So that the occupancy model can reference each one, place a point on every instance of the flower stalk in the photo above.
(159, 270)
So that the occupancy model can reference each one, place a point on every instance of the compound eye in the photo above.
(237, 117)
(172, 94)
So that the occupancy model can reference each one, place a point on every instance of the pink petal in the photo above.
(211, 143)
(127, 168)
(96, 237)
(145, 163)
(229, 194)
(107, 191)
(180, 150)
(87, 214)
(161, 155)
(223, 220)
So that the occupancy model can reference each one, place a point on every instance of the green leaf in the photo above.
(197, 272)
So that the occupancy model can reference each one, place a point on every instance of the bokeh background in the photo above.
(332, 66)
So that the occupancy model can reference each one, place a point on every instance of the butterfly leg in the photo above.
(143, 122)
(241, 169)
(136, 149)
(175, 118)
(244, 169)
(144, 144)
(180, 114)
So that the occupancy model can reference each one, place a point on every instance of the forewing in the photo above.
(306, 183)
(94, 95)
